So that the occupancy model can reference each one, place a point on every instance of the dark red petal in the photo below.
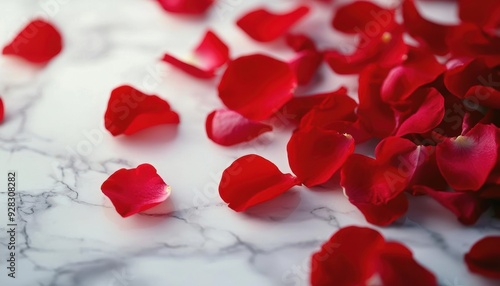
(379, 195)
(362, 17)
(484, 257)
(484, 95)
(130, 111)
(300, 42)
(1, 111)
(265, 26)
(227, 127)
(427, 33)
(305, 65)
(257, 86)
(466, 161)
(190, 7)
(210, 55)
(485, 14)
(38, 42)
(468, 39)
(251, 180)
(347, 258)
(299, 106)
(467, 206)
(315, 154)
(135, 190)
(396, 266)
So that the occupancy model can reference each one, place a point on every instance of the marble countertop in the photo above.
(53, 135)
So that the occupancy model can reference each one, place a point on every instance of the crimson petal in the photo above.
(189, 7)
(300, 42)
(264, 26)
(210, 55)
(315, 154)
(38, 42)
(484, 257)
(256, 86)
(251, 180)
(135, 190)
(361, 16)
(130, 111)
(1, 111)
(305, 65)
(227, 127)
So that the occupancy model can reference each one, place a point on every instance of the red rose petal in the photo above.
(226, 127)
(466, 160)
(210, 55)
(257, 86)
(135, 190)
(315, 154)
(485, 14)
(1, 111)
(468, 39)
(484, 257)
(362, 16)
(251, 180)
(300, 42)
(38, 42)
(346, 259)
(305, 65)
(427, 33)
(396, 267)
(189, 7)
(130, 111)
(298, 106)
(379, 195)
(265, 26)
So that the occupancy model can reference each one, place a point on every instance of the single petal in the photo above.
(346, 259)
(305, 65)
(135, 190)
(251, 180)
(315, 154)
(466, 161)
(264, 26)
(257, 86)
(467, 206)
(396, 266)
(2, 111)
(362, 17)
(188, 7)
(130, 111)
(227, 127)
(208, 56)
(38, 42)
(484, 257)
(300, 42)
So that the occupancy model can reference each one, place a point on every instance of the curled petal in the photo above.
(38, 42)
(130, 111)
(305, 65)
(484, 257)
(135, 190)
(300, 42)
(264, 26)
(210, 55)
(466, 161)
(257, 86)
(251, 180)
(227, 127)
(187, 7)
(315, 154)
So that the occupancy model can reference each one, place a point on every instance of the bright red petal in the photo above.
(257, 86)
(305, 65)
(300, 42)
(226, 127)
(38, 42)
(190, 7)
(130, 111)
(361, 17)
(1, 111)
(210, 55)
(264, 26)
(484, 257)
(347, 258)
(298, 106)
(135, 190)
(396, 266)
(468, 39)
(251, 180)
(315, 154)
(466, 160)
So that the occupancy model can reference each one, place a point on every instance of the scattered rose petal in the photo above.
(300, 42)
(188, 7)
(315, 154)
(305, 65)
(484, 257)
(38, 42)
(210, 55)
(1, 111)
(358, 17)
(227, 127)
(256, 86)
(135, 190)
(264, 26)
(251, 180)
(130, 111)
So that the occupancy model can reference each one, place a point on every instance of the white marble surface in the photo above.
(53, 136)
